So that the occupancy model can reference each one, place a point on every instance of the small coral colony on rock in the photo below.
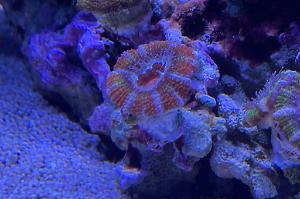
(187, 98)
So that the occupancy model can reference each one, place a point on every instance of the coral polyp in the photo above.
(278, 107)
(155, 78)
(286, 135)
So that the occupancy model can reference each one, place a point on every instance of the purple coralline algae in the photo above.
(42, 153)
(97, 123)
(67, 62)
(229, 104)
(171, 31)
(247, 160)
(227, 108)
(52, 54)
(190, 133)
(277, 106)
(199, 129)
(92, 52)
(49, 57)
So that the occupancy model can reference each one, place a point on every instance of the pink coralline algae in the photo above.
(277, 106)
(155, 78)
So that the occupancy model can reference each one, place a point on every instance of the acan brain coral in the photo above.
(278, 107)
(155, 78)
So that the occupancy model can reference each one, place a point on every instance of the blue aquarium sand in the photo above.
(42, 153)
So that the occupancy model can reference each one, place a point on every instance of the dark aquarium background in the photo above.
(150, 99)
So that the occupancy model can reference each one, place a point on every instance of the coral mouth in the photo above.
(151, 77)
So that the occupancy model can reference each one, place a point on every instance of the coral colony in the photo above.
(277, 107)
(150, 99)
(155, 78)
